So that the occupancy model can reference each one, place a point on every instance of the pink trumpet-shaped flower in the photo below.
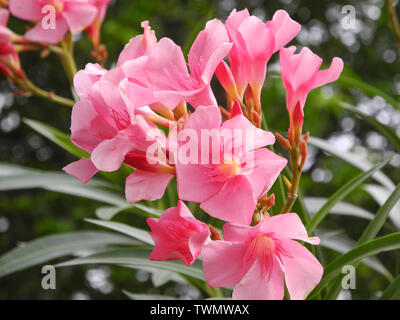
(163, 77)
(114, 132)
(255, 258)
(178, 235)
(254, 42)
(301, 74)
(72, 15)
(229, 175)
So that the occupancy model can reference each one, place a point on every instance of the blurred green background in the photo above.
(369, 51)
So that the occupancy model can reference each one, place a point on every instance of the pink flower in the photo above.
(254, 42)
(162, 75)
(72, 15)
(114, 132)
(301, 74)
(235, 170)
(178, 235)
(255, 258)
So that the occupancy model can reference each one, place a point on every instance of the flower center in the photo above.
(262, 248)
(231, 167)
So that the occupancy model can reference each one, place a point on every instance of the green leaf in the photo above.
(138, 258)
(352, 158)
(381, 195)
(387, 131)
(137, 296)
(314, 204)
(60, 138)
(380, 218)
(392, 292)
(16, 178)
(339, 242)
(340, 195)
(133, 232)
(371, 248)
(54, 246)
(352, 82)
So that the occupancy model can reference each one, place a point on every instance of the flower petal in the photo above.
(256, 286)
(142, 185)
(51, 36)
(82, 169)
(30, 10)
(234, 203)
(79, 15)
(302, 270)
(223, 263)
(287, 226)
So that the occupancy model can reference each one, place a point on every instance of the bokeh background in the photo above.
(370, 52)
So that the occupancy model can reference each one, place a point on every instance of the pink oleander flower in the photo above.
(178, 235)
(161, 75)
(301, 74)
(229, 176)
(254, 42)
(257, 259)
(72, 15)
(114, 132)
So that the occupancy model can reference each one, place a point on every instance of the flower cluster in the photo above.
(53, 23)
(157, 114)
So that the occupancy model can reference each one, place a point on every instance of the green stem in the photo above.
(48, 95)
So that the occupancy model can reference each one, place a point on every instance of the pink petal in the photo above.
(223, 263)
(142, 185)
(302, 270)
(194, 183)
(85, 79)
(30, 10)
(109, 154)
(329, 75)
(234, 203)
(258, 39)
(237, 232)
(88, 129)
(208, 50)
(305, 69)
(139, 46)
(51, 36)
(177, 235)
(168, 57)
(82, 169)
(267, 167)
(287, 226)
(256, 286)
(4, 16)
(283, 28)
(241, 129)
(79, 15)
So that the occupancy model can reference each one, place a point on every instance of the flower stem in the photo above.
(48, 95)
(66, 55)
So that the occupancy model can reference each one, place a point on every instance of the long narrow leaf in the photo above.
(51, 247)
(340, 195)
(138, 258)
(371, 248)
